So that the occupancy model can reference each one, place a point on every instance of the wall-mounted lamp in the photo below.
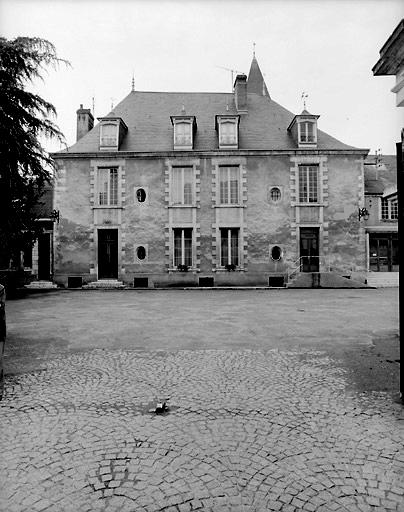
(55, 216)
(363, 213)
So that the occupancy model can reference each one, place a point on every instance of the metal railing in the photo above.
(320, 263)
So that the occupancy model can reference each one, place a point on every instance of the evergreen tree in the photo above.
(25, 119)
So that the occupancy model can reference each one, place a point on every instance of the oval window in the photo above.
(141, 195)
(275, 194)
(276, 253)
(141, 252)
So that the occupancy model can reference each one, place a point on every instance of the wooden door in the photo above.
(309, 249)
(107, 254)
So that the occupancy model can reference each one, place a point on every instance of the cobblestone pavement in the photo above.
(248, 430)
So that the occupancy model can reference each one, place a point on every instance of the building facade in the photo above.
(208, 189)
(381, 223)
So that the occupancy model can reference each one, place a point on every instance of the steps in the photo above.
(323, 280)
(104, 284)
(382, 279)
(41, 285)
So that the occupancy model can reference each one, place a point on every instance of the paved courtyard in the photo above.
(279, 400)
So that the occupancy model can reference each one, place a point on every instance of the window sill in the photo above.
(222, 269)
(191, 270)
(108, 207)
(389, 220)
(182, 206)
(309, 204)
(229, 206)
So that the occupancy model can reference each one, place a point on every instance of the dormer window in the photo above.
(227, 127)
(307, 132)
(112, 132)
(303, 129)
(184, 129)
(109, 135)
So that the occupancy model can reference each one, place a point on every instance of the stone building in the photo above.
(208, 189)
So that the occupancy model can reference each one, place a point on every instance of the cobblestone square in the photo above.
(279, 400)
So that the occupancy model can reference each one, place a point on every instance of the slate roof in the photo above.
(378, 178)
(147, 116)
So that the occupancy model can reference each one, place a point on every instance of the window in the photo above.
(229, 185)
(229, 246)
(228, 133)
(182, 179)
(308, 183)
(307, 130)
(389, 209)
(141, 195)
(109, 135)
(276, 253)
(107, 187)
(183, 134)
(182, 247)
(184, 129)
(275, 194)
(141, 252)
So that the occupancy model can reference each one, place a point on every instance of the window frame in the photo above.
(183, 192)
(185, 259)
(234, 121)
(221, 192)
(389, 208)
(303, 132)
(112, 189)
(232, 259)
(308, 189)
(187, 143)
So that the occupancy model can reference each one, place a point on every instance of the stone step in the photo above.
(382, 279)
(41, 285)
(103, 284)
(323, 280)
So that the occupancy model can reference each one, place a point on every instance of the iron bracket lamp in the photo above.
(55, 216)
(363, 213)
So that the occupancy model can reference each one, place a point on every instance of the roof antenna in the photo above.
(93, 99)
(112, 104)
(254, 50)
(304, 97)
(133, 81)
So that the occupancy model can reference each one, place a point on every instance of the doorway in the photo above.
(383, 252)
(44, 257)
(107, 254)
(309, 250)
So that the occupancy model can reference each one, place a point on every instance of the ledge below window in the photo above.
(222, 269)
(191, 270)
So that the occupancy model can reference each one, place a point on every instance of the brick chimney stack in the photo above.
(85, 121)
(240, 93)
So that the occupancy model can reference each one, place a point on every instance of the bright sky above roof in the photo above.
(326, 48)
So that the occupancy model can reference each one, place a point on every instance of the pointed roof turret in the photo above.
(256, 82)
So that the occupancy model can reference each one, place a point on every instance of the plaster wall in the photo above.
(265, 223)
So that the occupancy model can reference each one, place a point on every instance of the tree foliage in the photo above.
(25, 119)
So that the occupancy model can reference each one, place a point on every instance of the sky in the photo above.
(326, 48)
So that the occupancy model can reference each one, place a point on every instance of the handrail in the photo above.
(323, 264)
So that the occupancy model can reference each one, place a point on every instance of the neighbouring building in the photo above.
(381, 221)
(208, 189)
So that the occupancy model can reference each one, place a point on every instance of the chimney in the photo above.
(240, 93)
(85, 121)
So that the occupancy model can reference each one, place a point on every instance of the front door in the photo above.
(44, 256)
(107, 254)
(309, 249)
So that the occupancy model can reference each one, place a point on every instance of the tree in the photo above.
(25, 120)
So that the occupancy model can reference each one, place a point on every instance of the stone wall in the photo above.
(264, 222)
